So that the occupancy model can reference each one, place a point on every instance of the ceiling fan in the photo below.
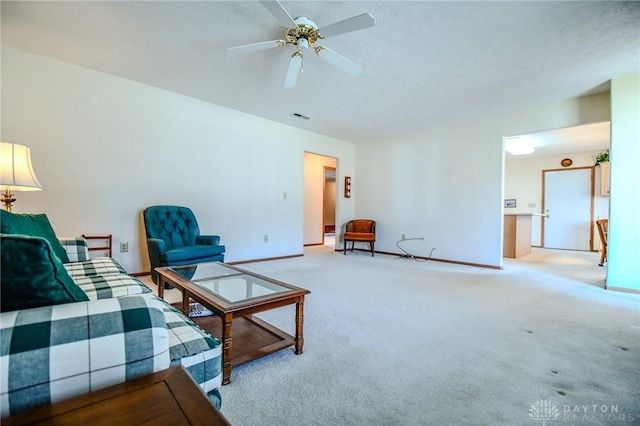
(304, 33)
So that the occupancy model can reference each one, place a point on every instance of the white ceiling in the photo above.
(425, 63)
(594, 137)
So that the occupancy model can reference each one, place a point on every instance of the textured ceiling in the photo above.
(593, 137)
(425, 63)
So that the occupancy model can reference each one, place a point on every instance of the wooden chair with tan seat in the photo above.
(360, 230)
(603, 231)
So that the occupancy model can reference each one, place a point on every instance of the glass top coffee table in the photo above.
(234, 295)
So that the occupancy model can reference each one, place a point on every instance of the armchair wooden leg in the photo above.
(345, 247)
(371, 244)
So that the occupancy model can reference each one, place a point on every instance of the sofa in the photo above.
(70, 324)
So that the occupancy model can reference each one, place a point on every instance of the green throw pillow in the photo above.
(35, 225)
(32, 276)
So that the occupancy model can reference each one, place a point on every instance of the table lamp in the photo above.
(16, 172)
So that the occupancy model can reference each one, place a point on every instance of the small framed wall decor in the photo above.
(566, 162)
(347, 187)
(510, 203)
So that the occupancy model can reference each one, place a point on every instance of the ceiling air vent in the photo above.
(304, 117)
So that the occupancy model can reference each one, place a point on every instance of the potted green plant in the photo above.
(602, 157)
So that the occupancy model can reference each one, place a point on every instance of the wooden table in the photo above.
(168, 397)
(234, 295)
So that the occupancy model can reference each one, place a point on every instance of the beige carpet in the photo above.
(393, 341)
(578, 266)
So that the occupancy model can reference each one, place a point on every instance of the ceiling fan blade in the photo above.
(355, 23)
(280, 13)
(295, 65)
(254, 47)
(339, 60)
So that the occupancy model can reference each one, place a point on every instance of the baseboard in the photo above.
(622, 289)
(435, 259)
(265, 259)
(457, 262)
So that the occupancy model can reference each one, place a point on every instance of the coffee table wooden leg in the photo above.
(185, 303)
(160, 287)
(226, 348)
(299, 325)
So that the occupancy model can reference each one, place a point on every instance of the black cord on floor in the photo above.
(409, 256)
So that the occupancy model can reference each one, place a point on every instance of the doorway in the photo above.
(329, 207)
(567, 202)
(562, 150)
(320, 194)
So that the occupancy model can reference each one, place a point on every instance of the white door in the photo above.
(568, 207)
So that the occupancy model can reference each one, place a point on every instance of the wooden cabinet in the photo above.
(517, 235)
(605, 169)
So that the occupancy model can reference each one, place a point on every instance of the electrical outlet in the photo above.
(403, 237)
(266, 238)
(124, 246)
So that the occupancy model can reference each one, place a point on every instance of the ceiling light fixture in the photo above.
(519, 145)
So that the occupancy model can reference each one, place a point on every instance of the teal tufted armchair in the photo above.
(173, 238)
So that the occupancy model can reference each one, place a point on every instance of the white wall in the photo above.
(314, 165)
(104, 148)
(623, 269)
(523, 182)
(445, 183)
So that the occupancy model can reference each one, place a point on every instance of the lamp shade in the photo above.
(16, 171)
